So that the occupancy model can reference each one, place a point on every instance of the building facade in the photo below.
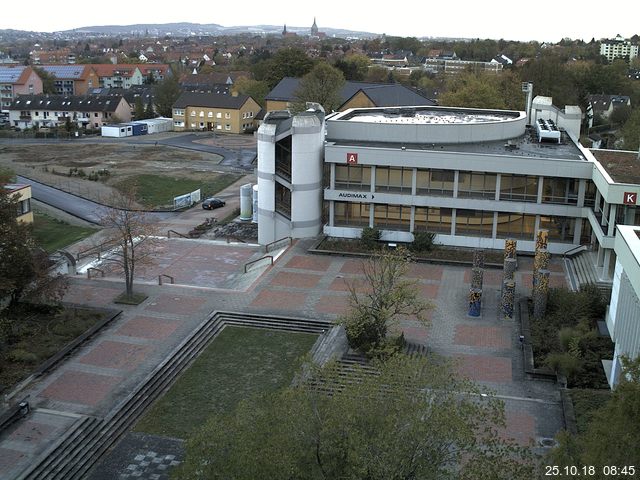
(23, 194)
(72, 79)
(17, 80)
(222, 113)
(618, 48)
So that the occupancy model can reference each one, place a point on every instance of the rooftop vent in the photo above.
(547, 131)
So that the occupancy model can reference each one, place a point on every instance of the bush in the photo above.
(423, 241)
(19, 355)
(369, 237)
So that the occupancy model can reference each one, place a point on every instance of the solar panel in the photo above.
(10, 74)
(64, 71)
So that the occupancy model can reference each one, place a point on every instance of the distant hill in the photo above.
(181, 29)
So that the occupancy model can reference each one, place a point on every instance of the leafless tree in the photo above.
(132, 235)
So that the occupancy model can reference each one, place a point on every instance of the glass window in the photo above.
(433, 219)
(560, 228)
(522, 188)
(392, 217)
(515, 225)
(283, 200)
(477, 185)
(393, 179)
(353, 177)
(346, 214)
(474, 222)
(560, 190)
(435, 182)
(590, 194)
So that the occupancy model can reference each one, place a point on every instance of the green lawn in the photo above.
(53, 234)
(155, 191)
(239, 363)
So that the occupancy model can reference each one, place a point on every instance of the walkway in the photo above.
(105, 370)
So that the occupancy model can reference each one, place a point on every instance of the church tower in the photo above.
(314, 28)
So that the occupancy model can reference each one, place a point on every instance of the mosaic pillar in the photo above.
(510, 245)
(541, 294)
(540, 262)
(475, 302)
(477, 274)
(542, 238)
(508, 299)
(478, 258)
(509, 271)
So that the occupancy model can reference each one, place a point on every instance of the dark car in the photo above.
(212, 203)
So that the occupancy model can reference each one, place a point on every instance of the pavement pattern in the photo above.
(102, 372)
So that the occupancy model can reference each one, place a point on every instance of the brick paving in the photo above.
(107, 368)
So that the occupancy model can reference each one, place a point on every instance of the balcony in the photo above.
(25, 117)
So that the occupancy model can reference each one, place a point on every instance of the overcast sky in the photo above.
(511, 20)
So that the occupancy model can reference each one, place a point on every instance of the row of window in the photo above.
(467, 222)
(522, 188)
(180, 113)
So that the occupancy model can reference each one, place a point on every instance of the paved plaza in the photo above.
(210, 276)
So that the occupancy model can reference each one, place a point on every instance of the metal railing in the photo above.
(573, 250)
(169, 232)
(266, 257)
(90, 269)
(269, 245)
(171, 279)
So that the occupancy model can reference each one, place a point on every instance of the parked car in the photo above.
(212, 203)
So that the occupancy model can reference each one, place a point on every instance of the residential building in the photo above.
(502, 60)
(473, 177)
(157, 71)
(352, 94)
(215, 112)
(623, 313)
(23, 194)
(119, 75)
(72, 79)
(85, 112)
(455, 66)
(618, 48)
(17, 80)
(604, 105)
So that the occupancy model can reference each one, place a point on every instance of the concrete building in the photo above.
(623, 314)
(72, 79)
(214, 112)
(618, 48)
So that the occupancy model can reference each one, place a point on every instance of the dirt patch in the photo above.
(67, 166)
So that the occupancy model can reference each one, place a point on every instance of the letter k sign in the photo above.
(630, 198)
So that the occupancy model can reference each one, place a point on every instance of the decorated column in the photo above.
(478, 258)
(477, 275)
(508, 299)
(510, 245)
(542, 239)
(540, 262)
(475, 302)
(541, 294)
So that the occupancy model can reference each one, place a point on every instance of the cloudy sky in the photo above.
(512, 20)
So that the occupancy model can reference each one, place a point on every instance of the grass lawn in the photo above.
(239, 363)
(155, 191)
(53, 234)
(37, 334)
(585, 403)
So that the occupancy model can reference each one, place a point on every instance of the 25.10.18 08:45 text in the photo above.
(590, 470)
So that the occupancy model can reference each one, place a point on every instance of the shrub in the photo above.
(369, 237)
(19, 355)
(423, 241)
(565, 364)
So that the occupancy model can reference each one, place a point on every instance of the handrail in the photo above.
(96, 269)
(90, 251)
(266, 247)
(171, 279)
(169, 232)
(575, 249)
(270, 257)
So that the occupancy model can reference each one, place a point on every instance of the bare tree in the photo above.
(132, 234)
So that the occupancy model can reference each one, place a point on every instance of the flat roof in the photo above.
(622, 166)
(526, 146)
(428, 115)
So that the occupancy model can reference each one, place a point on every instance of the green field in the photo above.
(52, 234)
(154, 191)
(240, 362)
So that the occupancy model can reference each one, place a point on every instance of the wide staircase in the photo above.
(582, 271)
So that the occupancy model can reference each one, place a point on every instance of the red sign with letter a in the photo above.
(352, 158)
(630, 198)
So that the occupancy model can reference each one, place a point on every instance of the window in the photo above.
(219, 115)
(250, 114)
(435, 182)
(201, 113)
(227, 127)
(477, 185)
(95, 114)
(193, 113)
(474, 222)
(178, 124)
(560, 190)
(393, 179)
(433, 219)
(193, 125)
(283, 200)
(346, 214)
(210, 114)
(516, 225)
(353, 177)
(560, 228)
(24, 206)
(392, 217)
(522, 188)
